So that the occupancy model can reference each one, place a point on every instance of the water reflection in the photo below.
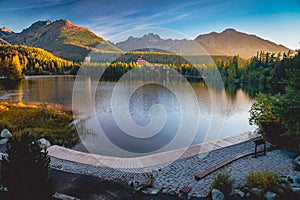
(58, 90)
(54, 89)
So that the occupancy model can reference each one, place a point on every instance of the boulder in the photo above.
(2, 154)
(44, 143)
(284, 179)
(3, 141)
(136, 186)
(297, 179)
(270, 195)
(239, 193)
(256, 191)
(296, 185)
(217, 195)
(165, 191)
(150, 191)
(247, 189)
(172, 192)
(5, 133)
(281, 191)
(297, 163)
(296, 190)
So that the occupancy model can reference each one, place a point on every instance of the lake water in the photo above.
(231, 116)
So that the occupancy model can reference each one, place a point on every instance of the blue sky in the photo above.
(278, 21)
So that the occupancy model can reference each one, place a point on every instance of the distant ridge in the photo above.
(232, 42)
(229, 43)
(61, 37)
(154, 41)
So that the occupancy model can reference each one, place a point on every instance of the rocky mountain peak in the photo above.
(5, 29)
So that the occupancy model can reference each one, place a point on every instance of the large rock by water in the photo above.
(5, 133)
(44, 143)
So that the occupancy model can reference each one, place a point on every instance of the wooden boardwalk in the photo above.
(154, 160)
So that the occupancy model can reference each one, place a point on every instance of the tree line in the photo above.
(264, 67)
(18, 60)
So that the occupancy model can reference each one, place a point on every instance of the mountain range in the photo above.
(66, 40)
(229, 42)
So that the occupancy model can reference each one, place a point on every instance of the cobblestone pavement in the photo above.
(173, 177)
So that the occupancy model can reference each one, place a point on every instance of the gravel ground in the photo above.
(171, 178)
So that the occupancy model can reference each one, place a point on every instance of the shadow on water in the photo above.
(9, 85)
(252, 89)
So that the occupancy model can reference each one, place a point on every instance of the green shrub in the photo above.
(150, 176)
(266, 181)
(223, 182)
(261, 111)
(25, 170)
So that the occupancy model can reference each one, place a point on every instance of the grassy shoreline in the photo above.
(40, 120)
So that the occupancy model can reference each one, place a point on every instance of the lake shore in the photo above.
(171, 178)
(88, 182)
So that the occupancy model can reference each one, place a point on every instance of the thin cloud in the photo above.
(27, 5)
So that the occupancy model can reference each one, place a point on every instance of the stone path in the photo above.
(172, 177)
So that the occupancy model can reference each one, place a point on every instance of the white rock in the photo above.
(64, 196)
(6, 133)
(2, 154)
(172, 192)
(270, 195)
(297, 180)
(165, 191)
(150, 191)
(257, 131)
(3, 141)
(256, 191)
(239, 192)
(297, 163)
(296, 190)
(217, 195)
(44, 143)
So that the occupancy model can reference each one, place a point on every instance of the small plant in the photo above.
(223, 182)
(266, 181)
(150, 176)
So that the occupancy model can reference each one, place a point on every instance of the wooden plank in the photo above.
(222, 164)
(185, 189)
